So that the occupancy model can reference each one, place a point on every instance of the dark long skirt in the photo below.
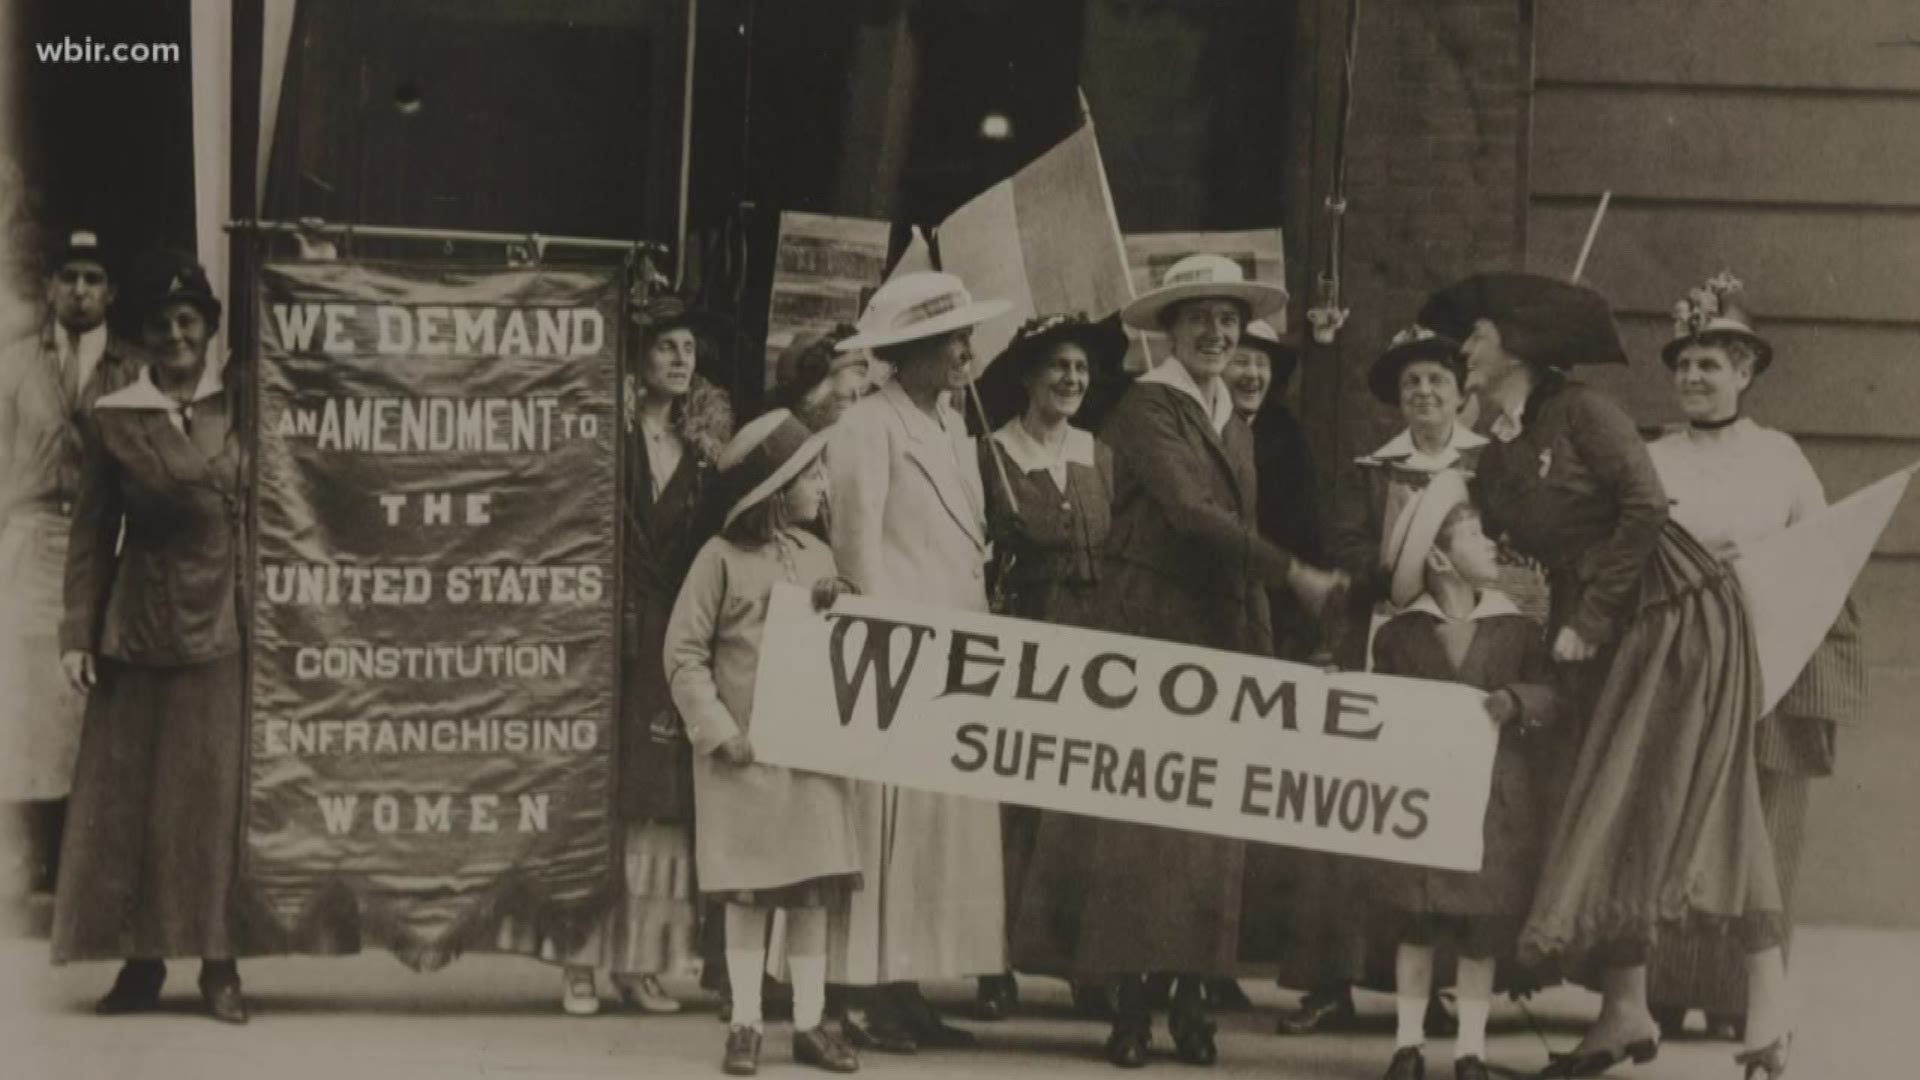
(153, 832)
(1662, 821)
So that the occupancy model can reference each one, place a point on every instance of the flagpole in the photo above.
(1593, 230)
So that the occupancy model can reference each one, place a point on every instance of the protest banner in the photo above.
(825, 268)
(1797, 579)
(1044, 239)
(1261, 254)
(433, 661)
(1127, 728)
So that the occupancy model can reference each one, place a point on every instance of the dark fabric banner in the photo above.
(433, 608)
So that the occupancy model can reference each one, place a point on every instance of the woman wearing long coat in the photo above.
(908, 523)
(1661, 818)
(152, 629)
(1185, 562)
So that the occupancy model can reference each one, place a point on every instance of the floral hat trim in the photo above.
(1704, 307)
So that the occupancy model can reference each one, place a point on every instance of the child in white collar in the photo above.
(1456, 626)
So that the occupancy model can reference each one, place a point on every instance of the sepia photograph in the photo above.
(1311, 539)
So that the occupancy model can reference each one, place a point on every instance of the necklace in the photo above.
(1714, 425)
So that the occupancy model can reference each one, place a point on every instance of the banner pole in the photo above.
(314, 227)
(1593, 230)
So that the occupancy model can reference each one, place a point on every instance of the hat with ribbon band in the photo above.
(919, 304)
(1203, 277)
(764, 456)
(1415, 530)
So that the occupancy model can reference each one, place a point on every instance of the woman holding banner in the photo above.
(152, 635)
(1661, 818)
(1186, 563)
(1049, 490)
(674, 424)
(1733, 482)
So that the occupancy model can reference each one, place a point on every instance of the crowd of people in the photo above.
(1644, 819)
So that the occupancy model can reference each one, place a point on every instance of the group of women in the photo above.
(1179, 507)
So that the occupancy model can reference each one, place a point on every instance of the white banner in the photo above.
(1126, 728)
(1797, 579)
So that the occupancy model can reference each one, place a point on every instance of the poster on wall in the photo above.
(432, 688)
(825, 268)
(1261, 254)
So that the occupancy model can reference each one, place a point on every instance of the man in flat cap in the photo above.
(48, 380)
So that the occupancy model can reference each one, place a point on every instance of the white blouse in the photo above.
(1737, 485)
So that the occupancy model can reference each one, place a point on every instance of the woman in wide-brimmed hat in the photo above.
(1049, 487)
(909, 523)
(1661, 819)
(1732, 482)
(768, 839)
(673, 426)
(1185, 562)
(152, 635)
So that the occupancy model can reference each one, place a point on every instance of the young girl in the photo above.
(765, 839)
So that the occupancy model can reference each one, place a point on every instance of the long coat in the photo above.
(908, 523)
(757, 826)
(1185, 563)
(151, 848)
(40, 460)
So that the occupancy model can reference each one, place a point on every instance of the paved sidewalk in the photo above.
(368, 1018)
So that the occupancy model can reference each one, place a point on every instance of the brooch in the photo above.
(1546, 462)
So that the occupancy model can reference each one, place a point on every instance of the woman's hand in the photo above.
(79, 666)
(829, 589)
(736, 751)
(1315, 586)
(1502, 707)
(1569, 647)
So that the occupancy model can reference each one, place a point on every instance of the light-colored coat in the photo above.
(756, 826)
(908, 513)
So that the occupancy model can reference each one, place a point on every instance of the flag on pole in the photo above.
(1797, 579)
(1045, 239)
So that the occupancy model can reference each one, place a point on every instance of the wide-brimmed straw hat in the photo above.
(1415, 530)
(1281, 353)
(1711, 312)
(919, 304)
(1543, 320)
(1408, 347)
(1003, 390)
(1203, 277)
(764, 456)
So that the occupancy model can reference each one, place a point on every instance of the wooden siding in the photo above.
(1780, 140)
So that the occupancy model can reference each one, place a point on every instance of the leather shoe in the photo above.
(1127, 1047)
(224, 1002)
(136, 989)
(743, 1051)
(995, 997)
(1193, 1038)
(1470, 1068)
(1319, 1011)
(1597, 1062)
(823, 1049)
(1407, 1064)
(883, 1037)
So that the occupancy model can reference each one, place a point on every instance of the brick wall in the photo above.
(1434, 179)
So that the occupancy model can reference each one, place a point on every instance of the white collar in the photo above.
(1171, 372)
(142, 394)
(1027, 452)
(1400, 450)
(1492, 603)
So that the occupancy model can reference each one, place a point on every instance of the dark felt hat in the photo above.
(1003, 389)
(1542, 320)
(158, 278)
(1410, 346)
(80, 245)
(764, 456)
